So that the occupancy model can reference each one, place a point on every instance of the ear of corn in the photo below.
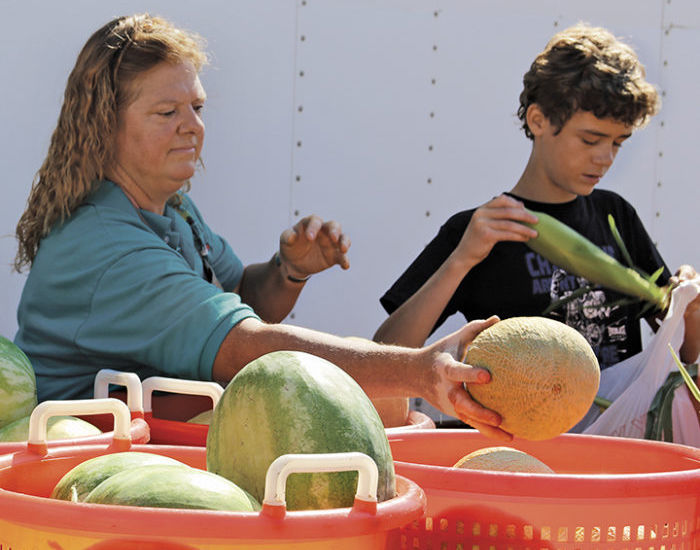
(571, 251)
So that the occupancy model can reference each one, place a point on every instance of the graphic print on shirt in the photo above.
(600, 321)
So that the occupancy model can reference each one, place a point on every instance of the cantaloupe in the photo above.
(503, 459)
(544, 375)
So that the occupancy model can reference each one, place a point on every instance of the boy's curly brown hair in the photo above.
(585, 68)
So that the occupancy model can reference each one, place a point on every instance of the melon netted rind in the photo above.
(503, 459)
(17, 383)
(544, 375)
(293, 402)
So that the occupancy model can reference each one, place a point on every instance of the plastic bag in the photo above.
(632, 384)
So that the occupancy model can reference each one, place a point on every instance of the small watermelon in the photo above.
(167, 486)
(57, 427)
(17, 383)
(83, 478)
(294, 402)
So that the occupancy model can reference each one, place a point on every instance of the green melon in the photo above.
(293, 402)
(57, 427)
(167, 486)
(83, 478)
(544, 375)
(202, 418)
(17, 383)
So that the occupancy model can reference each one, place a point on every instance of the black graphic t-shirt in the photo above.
(515, 281)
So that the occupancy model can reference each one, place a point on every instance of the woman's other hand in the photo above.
(313, 245)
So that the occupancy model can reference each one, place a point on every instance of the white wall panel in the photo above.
(353, 138)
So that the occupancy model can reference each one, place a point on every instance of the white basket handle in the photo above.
(38, 420)
(130, 380)
(283, 466)
(177, 385)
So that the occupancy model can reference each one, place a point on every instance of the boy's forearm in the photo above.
(411, 324)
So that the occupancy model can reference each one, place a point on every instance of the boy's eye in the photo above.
(617, 145)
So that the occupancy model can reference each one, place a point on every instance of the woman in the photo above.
(125, 273)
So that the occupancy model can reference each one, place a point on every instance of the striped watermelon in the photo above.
(57, 427)
(293, 402)
(83, 478)
(17, 383)
(167, 486)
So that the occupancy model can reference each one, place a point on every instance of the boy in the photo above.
(582, 98)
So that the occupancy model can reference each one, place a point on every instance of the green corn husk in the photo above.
(571, 251)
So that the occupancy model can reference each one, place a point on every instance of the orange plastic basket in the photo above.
(139, 431)
(31, 520)
(607, 492)
(189, 397)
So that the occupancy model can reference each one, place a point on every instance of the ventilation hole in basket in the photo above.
(444, 524)
(443, 546)
(510, 531)
(595, 534)
(626, 533)
(459, 527)
(685, 527)
(545, 533)
(493, 529)
(612, 534)
(528, 532)
(459, 546)
(676, 529)
(664, 531)
(428, 524)
(476, 529)
(640, 532)
(563, 534)
(579, 533)
(416, 542)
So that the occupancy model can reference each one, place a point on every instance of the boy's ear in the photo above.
(536, 120)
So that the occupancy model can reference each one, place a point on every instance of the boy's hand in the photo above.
(690, 349)
(496, 221)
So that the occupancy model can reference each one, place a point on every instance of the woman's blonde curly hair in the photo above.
(81, 148)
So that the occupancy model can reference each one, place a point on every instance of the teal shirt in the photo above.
(120, 288)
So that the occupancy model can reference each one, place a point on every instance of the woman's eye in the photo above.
(198, 108)
(167, 113)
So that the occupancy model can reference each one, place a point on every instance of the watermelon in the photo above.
(17, 383)
(168, 486)
(57, 427)
(294, 402)
(83, 478)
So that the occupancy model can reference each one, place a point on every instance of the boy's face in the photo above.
(572, 161)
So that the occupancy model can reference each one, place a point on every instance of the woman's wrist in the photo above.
(285, 271)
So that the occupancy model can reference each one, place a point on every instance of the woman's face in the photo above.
(159, 134)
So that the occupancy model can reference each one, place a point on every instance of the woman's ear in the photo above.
(536, 119)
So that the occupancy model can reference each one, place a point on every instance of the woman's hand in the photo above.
(313, 245)
(447, 391)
